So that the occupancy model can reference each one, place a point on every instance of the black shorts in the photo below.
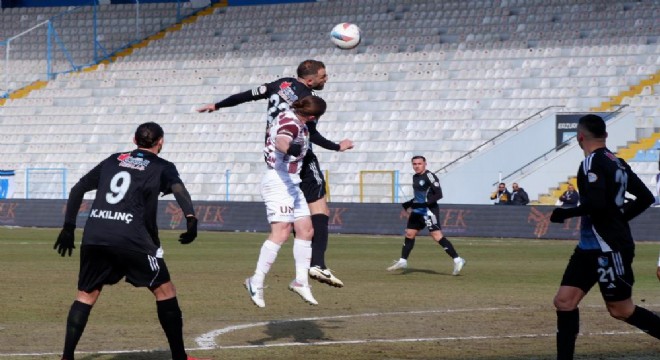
(429, 220)
(612, 271)
(106, 265)
(313, 182)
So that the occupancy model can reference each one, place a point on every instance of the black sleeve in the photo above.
(643, 196)
(183, 199)
(316, 138)
(436, 191)
(243, 97)
(88, 182)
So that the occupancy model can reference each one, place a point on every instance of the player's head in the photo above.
(312, 73)
(309, 108)
(149, 136)
(418, 164)
(591, 128)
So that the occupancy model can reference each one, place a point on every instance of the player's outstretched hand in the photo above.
(207, 108)
(559, 215)
(65, 240)
(190, 235)
(345, 144)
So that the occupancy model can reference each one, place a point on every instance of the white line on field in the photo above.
(207, 341)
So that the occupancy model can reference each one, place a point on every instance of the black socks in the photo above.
(320, 239)
(169, 315)
(449, 248)
(568, 326)
(75, 326)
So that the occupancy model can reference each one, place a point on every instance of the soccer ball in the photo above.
(345, 35)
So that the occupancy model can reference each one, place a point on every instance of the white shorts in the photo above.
(285, 202)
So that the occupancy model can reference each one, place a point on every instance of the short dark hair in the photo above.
(594, 124)
(148, 134)
(309, 67)
(418, 157)
(310, 105)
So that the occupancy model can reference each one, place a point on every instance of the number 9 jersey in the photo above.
(124, 211)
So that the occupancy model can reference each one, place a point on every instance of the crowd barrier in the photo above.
(346, 218)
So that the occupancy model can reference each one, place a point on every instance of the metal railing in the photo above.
(556, 148)
(493, 139)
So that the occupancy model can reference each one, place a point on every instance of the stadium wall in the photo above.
(347, 218)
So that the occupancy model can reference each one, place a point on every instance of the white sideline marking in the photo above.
(207, 341)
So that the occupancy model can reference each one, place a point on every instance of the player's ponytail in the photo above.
(309, 106)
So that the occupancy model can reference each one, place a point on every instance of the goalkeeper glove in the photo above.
(65, 240)
(190, 235)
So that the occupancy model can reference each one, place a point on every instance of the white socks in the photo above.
(267, 257)
(302, 255)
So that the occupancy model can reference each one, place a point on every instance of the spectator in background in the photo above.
(501, 195)
(570, 198)
(518, 195)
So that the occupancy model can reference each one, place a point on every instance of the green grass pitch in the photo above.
(500, 307)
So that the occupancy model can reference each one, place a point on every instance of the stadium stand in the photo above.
(436, 78)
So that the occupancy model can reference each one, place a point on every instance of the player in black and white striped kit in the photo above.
(121, 240)
(281, 94)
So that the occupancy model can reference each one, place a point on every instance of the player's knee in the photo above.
(562, 303)
(620, 311)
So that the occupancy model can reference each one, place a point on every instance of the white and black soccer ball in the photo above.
(345, 35)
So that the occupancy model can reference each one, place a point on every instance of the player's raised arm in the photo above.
(237, 99)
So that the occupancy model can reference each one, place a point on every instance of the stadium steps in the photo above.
(632, 91)
(161, 34)
(626, 153)
(24, 91)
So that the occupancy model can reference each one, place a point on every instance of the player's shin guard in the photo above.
(568, 327)
(646, 321)
(267, 257)
(449, 248)
(169, 315)
(302, 254)
(408, 245)
(75, 326)
(320, 239)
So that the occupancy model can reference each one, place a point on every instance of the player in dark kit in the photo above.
(425, 213)
(281, 94)
(121, 236)
(605, 251)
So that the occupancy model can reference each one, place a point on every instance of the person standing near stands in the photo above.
(286, 209)
(281, 94)
(518, 195)
(501, 195)
(605, 251)
(570, 198)
(425, 213)
(121, 236)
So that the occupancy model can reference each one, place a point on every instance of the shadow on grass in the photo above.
(303, 331)
(423, 271)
